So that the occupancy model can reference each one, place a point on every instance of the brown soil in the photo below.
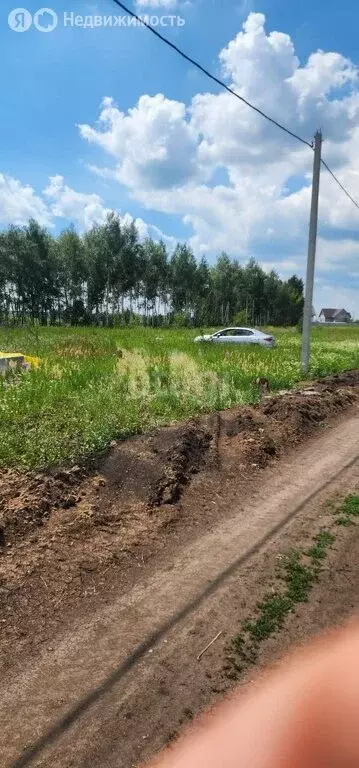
(93, 555)
(62, 532)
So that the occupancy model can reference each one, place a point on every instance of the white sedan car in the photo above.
(239, 336)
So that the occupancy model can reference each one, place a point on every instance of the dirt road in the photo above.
(115, 687)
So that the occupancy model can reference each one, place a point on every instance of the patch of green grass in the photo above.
(272, 612)
(351, 506)
(299, 571)
(322, 541)
(297, 578)
(348, 511)
(344, 521)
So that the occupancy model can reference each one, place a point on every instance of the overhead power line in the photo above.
(209, 74)
(231, 91)
(340, 184)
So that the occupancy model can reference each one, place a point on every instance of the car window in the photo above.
(235, 332)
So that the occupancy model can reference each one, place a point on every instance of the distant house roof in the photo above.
(331, 314)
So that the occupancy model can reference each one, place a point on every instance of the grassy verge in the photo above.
(297, 574)
(82, 396)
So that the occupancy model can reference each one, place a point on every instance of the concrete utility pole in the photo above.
(313, 227)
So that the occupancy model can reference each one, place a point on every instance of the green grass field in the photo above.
(81, 396)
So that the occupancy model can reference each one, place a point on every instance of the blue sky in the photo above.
(171, 150)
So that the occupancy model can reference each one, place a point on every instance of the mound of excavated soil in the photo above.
(154, 469)
(62, 528)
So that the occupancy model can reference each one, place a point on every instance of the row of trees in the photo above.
(107, 275)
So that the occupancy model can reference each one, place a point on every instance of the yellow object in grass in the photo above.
(11, 355)
(12, 360)
(33, 361)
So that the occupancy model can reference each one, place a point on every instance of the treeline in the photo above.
(108, 276)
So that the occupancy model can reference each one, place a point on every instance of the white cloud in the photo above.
(87, 209)
(265, 70)
(323, 73)
(19, 203)
(84, 209)
(157, 234)
(341, 256)
(149, 230)
(154, 144)
(170, 155)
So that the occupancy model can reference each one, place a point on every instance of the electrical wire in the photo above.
(340, 184)
(209, 74)
(231, 91)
